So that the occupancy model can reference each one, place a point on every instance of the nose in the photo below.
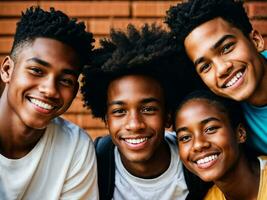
(135, 122)
(200, 143)
(223, 68)
(48, 87)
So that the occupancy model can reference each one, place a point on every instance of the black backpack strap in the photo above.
(106, 166)
(197, 188)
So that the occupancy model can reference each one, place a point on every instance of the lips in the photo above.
(234, 78)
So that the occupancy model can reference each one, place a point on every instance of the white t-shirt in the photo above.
(170, 185)
(62, 165)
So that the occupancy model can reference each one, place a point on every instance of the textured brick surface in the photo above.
(151, 8)
(260, 25)
(100, 16)
(257, 9)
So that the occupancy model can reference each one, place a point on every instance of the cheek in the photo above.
(113, 125)
(183, 152)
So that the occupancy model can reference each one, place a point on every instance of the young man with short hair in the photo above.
(125, 88)
(228, 55)
(42, 155)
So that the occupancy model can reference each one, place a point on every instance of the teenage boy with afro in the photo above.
(42, 155)
(228, 55)
(125, 87)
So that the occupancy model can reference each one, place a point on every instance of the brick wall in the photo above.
(100, 16)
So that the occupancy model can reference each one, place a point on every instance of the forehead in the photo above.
(200, 109)
(51, 51)
(210, 32)
(134, 87)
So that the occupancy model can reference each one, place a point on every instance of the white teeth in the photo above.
(136, 141)
(41, 104)
(207, 159)
(234, 79)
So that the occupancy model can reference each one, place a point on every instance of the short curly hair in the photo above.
(36, 22)
(148, 51)
(184, 17)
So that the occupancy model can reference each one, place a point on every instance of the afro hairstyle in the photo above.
(148, 51)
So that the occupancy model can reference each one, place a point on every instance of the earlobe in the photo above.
(257, 40)
(241, 133)
(7, 67)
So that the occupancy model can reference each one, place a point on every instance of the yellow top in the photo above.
(215, 193)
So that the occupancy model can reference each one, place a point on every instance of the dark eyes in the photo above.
(211, 129)
(184, 138)
(149, 109)
(204, 68)
(65, 80)
(118, 112)
(227, 48)
(36, 71)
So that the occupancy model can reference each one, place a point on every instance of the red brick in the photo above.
(260, 25)
(84, 120)
(90, 9)
(14, 8)
(77, 107)
(151, 8)
(8, 26)
(257, 9)
(5, 44)
(102, 26)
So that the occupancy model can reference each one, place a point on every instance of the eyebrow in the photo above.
(215, 46)
(144, 101)
(39, 61)
(46, 64)
(205, 121)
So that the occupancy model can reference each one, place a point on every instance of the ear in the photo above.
(7, 68)
(241, 133)
(257, 40)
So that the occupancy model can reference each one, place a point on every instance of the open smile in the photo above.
(136, 141)
(234, 79)
(207, 161)
(41, 104)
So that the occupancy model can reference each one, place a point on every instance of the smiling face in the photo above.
(41, 83)
(227, 61)
(208, 144)
(136, 117)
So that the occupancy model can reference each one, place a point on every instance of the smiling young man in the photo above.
(125, 88)
(42, 155)
(228, 56)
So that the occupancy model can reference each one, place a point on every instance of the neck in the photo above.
(153, 167)
(235, 186)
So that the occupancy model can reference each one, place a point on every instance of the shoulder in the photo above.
(70, 137)
(68, 130)
(263, 162)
